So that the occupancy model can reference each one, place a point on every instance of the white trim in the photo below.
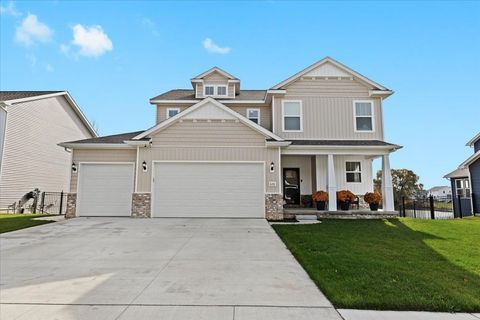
(335, 63)
(273, 114)
(335, 151)
(372, 116)
(95, 145)
(471, 159)
(380, 93)
(217, 69)
(77, 205)
(167, 112)
(280, 172)
(300, 115)
(215, 90)
(152, 180)
(136, 170)
(259, 115)
(473, 140)
(69, 99)
(361, 175)
(164, 124)
(196, 101)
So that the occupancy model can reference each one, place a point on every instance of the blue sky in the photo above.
(114, 56)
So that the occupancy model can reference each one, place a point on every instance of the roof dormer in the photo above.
(216, 83)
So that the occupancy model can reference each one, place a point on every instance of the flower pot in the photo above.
(320, 205)
(344, 205)
(374, 206)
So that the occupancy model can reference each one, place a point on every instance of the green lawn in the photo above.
(11, 222)
(405, 264)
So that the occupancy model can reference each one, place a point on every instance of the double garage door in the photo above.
(179, 189)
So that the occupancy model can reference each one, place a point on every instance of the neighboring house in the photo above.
(465, 181)
(218, 150)
(440, 193)
(32, 123)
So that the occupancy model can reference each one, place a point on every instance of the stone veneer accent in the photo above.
(274, 207)
(70, 212)
(141, 205)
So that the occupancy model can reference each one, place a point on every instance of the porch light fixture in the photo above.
(74, 167)
(272, 167)
(144, 166)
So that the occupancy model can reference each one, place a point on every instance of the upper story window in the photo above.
(171, 112)
(209, 90)
(353, 171)
(462, 188)
(221, 91)
(254, 115)
(363, 111)
(292, 115)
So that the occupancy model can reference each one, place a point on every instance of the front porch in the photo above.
(299, 213)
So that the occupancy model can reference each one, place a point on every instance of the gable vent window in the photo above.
(363, 116)
(221, 91)
(171, 112)
(292, 115)
(254, 115)
(354, 171)
(209, 90)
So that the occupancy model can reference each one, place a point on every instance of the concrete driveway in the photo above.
(122, 268)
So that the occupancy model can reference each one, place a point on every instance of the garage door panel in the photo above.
(105, 189)
(209, 190)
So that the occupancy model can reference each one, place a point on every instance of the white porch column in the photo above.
(331, 184)
(387, 187)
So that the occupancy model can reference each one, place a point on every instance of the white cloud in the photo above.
(10, 10)
(93, 42)
(146, 22)
(212, 47)
(32, 30)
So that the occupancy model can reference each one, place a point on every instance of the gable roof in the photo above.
(336, 64)
(471, 159)
(473, 140)
(13, 97)
(178, 116)
(215, 69)
(457, 173)
(189, 95)
(115, 138)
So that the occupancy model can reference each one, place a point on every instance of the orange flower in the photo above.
(320, 196)
(372, 197)
(345, 196)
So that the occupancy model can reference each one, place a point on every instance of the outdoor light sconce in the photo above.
(74, 167)
(144, 166)
(272, 167)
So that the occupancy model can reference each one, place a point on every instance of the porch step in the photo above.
(309, 213)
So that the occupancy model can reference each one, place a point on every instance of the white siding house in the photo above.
(32, 124)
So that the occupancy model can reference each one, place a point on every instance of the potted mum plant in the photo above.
(345, 198)
(373, 199)
(320, 198)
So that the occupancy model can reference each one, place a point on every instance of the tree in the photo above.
(405, 184)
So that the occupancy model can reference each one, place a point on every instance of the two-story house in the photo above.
(465, 182)
(218, 150)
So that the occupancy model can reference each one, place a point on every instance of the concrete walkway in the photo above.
(123, 268)
(403, 315)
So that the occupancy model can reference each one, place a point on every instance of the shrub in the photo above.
(320, 196)
(372, 197)
(345, 196)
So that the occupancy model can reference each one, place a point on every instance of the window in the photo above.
(462, 188)
(221, 91)
(363, 115)
(209, 90)
(172, 112)
(354, 171)
(254, 115)
(292, 115)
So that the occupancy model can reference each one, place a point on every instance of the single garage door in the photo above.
(208, 189)
(105, 189)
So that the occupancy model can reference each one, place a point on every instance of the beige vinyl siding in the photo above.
(199, 90)
(204, 133)
(32, 158)
(265, 114)
(99, 155)
(267, 155)
(3, 123)
(327, 107)
(162, 110)
(231, 89)
(340, 173)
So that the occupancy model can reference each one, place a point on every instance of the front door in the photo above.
(291, 185)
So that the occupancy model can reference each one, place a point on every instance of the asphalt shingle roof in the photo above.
(116, 138)
(340, 143)
(13, 95)
(188, 94)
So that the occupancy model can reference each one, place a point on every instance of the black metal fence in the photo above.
(425, 208)
(52, 202)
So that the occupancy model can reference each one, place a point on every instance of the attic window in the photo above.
(209, 90)
(221, 91)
